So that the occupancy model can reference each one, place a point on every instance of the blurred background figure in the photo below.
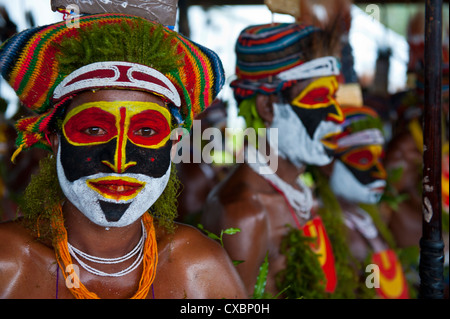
(358, 180)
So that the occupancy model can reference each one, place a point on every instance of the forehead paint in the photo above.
(320, 94)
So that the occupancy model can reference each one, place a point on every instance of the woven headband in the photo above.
(113, 74)
(366, 137)
(270, 56)
(320, 67)
(362, 126)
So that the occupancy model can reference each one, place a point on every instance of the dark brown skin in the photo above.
(245, 200)
(190, 265)
(360, 246)
(406, 222)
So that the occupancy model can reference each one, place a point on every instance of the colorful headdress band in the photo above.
(362, 126)
(115, 74)
(269, 58)
(321, 67)
(366, 137)
(29, 63)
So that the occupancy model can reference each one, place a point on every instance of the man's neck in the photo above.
(97, 240)
(287, 171)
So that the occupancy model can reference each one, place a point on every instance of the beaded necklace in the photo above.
(150, 258)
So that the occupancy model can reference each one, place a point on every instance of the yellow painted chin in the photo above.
(116, 188)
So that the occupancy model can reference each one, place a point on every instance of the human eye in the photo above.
(145, 132)
(95, 131)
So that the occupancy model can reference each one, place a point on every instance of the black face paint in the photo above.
(311, 118)
(80, 161)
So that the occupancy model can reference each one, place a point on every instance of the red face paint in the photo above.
(144, 124)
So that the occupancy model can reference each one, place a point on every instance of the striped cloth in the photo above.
(263, 51)
(28, 62)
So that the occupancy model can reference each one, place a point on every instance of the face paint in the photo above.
(114, 159)
(317, 104)
(359, 176)
(305, 126)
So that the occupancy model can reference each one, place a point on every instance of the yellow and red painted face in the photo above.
(144, 124)
(321, 94)
(365, 160)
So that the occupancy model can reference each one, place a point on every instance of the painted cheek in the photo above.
(150, 162)
(80, 161)
(365, 163)
(321, 94)
(361, 160)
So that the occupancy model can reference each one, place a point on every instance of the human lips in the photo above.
(378, 186)
(116, 188)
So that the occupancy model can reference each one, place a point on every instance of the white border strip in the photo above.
(320, 67)
(65, 89)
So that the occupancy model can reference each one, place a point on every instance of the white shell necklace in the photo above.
(300, 201)
(137, 250)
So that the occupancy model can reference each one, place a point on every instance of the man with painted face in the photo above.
(358, 179)
(98, 219)
(286, 83)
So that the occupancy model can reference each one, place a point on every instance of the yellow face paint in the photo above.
(366, 158)
(144, 124)
(321, 93)
(123, 188)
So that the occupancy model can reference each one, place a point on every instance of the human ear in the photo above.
(264, 107)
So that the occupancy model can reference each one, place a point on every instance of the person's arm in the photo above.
(251, 244)
(205, 267)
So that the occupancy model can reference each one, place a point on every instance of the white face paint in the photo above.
(344, 184)
(88, 200)
(295, 143)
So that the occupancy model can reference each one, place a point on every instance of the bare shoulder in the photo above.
(190, 243)
(24, 262)
(235, 200)
(13, 238)
(197, 266)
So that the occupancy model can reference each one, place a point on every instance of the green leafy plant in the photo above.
(261, 281)
(229, 231)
